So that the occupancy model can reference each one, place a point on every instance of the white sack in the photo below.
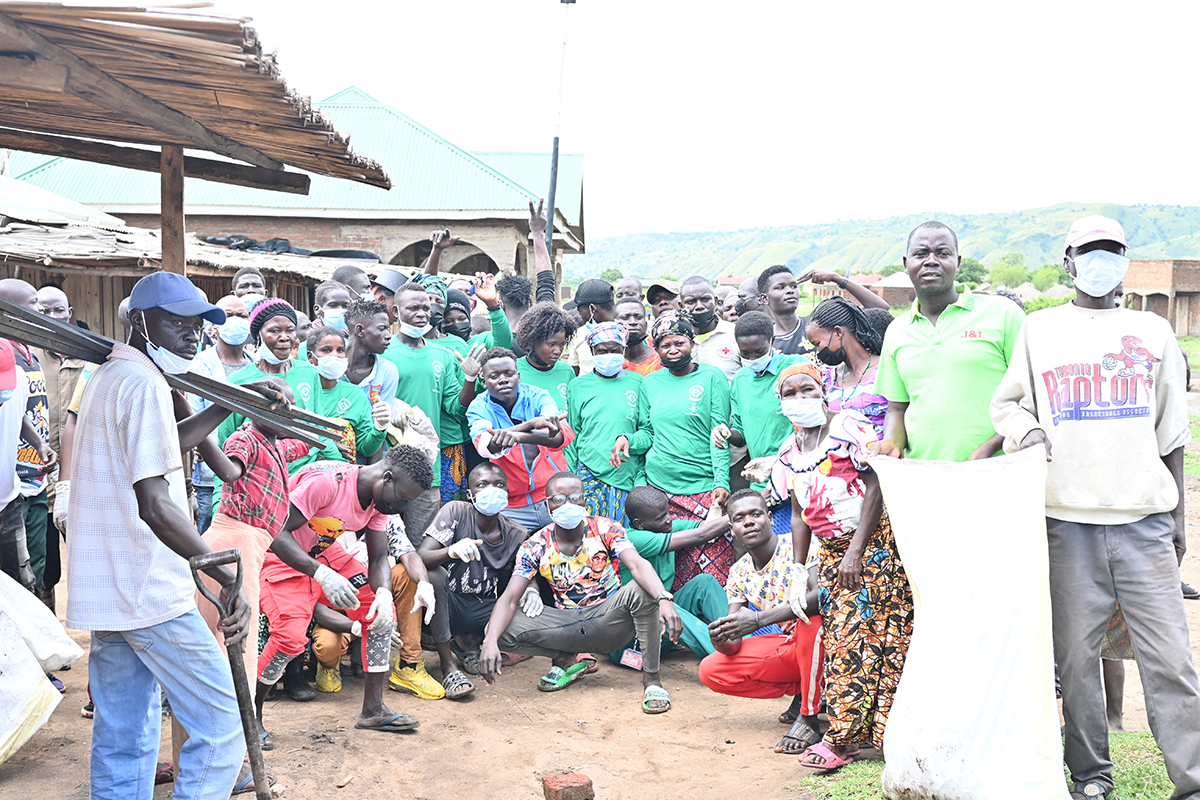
(975, 716)
(37, 625)
(26, 697)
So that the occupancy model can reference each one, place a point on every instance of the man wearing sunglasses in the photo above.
(578, 555)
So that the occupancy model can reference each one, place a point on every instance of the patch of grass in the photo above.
(1191, 460)
(1191, 346)
(1139, 775)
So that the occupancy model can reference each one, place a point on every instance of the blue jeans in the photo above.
(125, 670)
(534, 517)
(204, 498)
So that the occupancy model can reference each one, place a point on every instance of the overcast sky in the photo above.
(704, 116)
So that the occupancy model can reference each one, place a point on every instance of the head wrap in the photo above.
(799, 368)
(673, 323)
(607, 332)
(273, 307)
(456, 299)
(434, 284)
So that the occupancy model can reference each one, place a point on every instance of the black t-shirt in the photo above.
(794, 343)
(455, 522)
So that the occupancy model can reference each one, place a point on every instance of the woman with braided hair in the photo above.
(678, 407)
(849, 344)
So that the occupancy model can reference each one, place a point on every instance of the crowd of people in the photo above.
(634, 470)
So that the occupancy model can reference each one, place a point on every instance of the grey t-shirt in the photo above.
(457, 521)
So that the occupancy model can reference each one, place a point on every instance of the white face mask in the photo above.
(568, 516)
(761, 363)
(609, 364)
(332, 367)
(168, 362)
(235, 331)
(414, 332)
(805, 412)
(491, 500)
(266, 355)
(1098, 272)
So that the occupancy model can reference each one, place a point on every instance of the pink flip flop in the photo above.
(831, 762)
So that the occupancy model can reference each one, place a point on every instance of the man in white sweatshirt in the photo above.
(1102, 388)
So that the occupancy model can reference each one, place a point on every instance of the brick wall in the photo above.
(310, 233)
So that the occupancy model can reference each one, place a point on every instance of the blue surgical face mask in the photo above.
(805, 412)
(568, 516)
(759, 365)
(332, 367)
(5, 396)
(266, 355)
(235, 331)
(609, 364)
(1098, 272)
(168, 362)
(335, 318)
(414, 332)
(491, 500)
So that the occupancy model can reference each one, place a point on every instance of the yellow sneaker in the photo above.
(415, 680)
(329, 679)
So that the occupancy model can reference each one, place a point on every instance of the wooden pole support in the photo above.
(174, 258)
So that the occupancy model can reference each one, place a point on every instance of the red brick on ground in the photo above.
(571, 786)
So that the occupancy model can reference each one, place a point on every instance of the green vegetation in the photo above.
(1049, 275)
(1191, 346)
(1009, 271)
(971, 271)
(1038, 303)
(891, 269)
(1139, 775)
(611, 275)
(1191, 458)
(871, 245)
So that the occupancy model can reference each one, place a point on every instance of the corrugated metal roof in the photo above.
(532, 170)
(429, 173)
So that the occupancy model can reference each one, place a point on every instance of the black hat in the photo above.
(593, 291)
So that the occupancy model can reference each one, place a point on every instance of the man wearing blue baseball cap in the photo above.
(129, 581)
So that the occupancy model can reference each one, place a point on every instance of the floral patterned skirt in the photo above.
(867, 632)
(711, 558)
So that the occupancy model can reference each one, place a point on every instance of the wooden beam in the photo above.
(89, 83)
(170, 217)
(33, 75)
(148, 161)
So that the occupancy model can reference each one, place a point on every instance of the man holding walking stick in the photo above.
(129, 581)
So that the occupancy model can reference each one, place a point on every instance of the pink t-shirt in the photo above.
(326, 492)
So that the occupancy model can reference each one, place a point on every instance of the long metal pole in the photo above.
(562, 66)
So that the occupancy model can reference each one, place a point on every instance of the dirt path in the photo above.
(499, 743)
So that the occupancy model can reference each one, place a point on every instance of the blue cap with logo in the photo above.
(172, 292)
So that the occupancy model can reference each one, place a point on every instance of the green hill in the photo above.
(869, 245)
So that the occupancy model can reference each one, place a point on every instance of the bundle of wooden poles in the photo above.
(37, 330)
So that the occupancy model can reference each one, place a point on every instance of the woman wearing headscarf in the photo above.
(677, 410)
(602, 405)
(273, 332)
(848, 343)
(865, 601)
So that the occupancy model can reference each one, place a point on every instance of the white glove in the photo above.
(396, 640)
(758, 470)
(381, 412)
(531, 602)
(62, 495)
(720, 435)
(424, 597)
(194, 506)
(470, 362)
(465, 550)
(798, 588)
(356, 629)
(382, 612)
(339, 590)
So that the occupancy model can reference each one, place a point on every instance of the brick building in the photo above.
(1169, 288)
(482, 197)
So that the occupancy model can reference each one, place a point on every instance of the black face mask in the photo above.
(436, 314)
(830, 358)
(635, 338)
(677, 364)
(460, 329)
(704, 318)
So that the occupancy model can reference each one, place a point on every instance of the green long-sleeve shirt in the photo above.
(344, 401)
(676, 416)
(599, 410)
(755, 412)
(430, 379)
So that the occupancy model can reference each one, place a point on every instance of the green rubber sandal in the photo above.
(558, 678)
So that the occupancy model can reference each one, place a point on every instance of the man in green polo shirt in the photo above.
(943, 359)
(656, 538)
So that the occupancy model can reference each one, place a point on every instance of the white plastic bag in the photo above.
(40, 629)
(975, 716)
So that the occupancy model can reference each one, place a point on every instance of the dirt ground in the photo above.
(500, 742)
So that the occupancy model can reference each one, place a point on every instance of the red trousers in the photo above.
(288, 598)
(772, 665)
